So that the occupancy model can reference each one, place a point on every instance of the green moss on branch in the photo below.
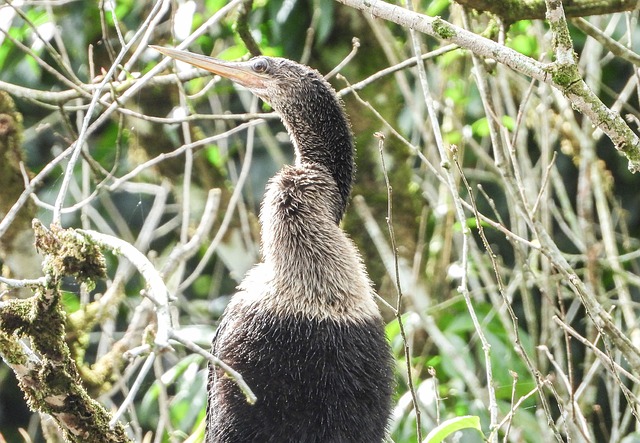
(47, 373)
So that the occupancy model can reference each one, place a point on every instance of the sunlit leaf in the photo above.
(448, 427)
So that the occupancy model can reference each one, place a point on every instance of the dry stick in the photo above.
(509, 417)
(159, 295)
(157, 291)
(242, 28)
(23, 283)
(275, 152)
(379, 242)
(569, 358)
(574, 408)
(251, 397)
(144, 40)
(565, 55)
(133, 90)
(186, 250)
(543, 186)
(179, 151)
(58, 99)
(87, 129)
(188, 171)
(29, 189)
(116, 23)
(568, 82)
(310, 34)
(50, 69)
(383, 36)
(195, 117)
(438, 337)
(398, 310)
(412, 147)
(63, 62)
(164, 424)
(610, 243)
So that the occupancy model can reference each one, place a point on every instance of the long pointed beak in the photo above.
(239, 72)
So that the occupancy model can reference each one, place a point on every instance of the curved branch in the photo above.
(159, 294)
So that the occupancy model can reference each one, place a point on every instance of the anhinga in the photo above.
(304, 329)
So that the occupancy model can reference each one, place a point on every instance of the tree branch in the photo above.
(512, 11)
(560, 75)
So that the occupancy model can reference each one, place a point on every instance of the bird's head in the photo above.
(277, 81)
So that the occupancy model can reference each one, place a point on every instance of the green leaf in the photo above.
(232, 53)
(480, 127)
(213, 155)
(522, 39)
(437, 6)
(524, 44)
(70, 302)
(508, 122)
(450, 426)
(214, 5)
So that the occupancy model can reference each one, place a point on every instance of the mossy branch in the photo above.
(45, 370)
(513, 10)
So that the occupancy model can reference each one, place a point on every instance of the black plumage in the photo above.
(304, 329)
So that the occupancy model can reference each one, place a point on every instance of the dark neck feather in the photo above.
(321, 134)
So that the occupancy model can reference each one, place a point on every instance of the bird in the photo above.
(304, 329)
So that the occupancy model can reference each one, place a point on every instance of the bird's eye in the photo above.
(260, 65)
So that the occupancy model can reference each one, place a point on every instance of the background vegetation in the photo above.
(515, 223)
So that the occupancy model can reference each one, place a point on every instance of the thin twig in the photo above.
(612, 45)
(236, 376)
(399, 310)
(459, 212)
(355, 44)
(134, 390)
(408, 63)
(233, 201)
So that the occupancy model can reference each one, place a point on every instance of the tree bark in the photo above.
(511, 11)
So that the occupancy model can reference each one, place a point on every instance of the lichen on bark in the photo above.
(46, 371)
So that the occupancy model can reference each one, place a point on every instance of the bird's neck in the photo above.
(321, 135)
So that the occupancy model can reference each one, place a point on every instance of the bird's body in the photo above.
(304, 329)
